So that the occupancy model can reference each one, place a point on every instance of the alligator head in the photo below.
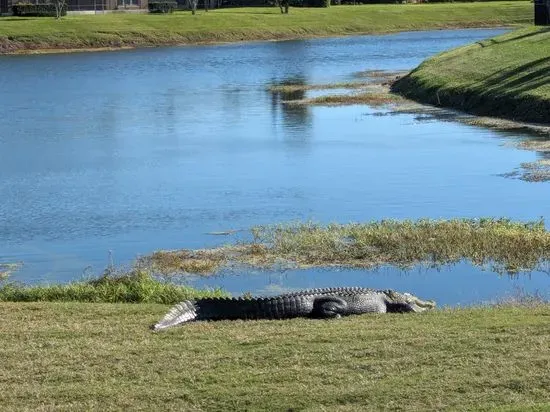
(405, 302)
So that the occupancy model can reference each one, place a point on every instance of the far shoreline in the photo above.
(113, 32)
(49, 51)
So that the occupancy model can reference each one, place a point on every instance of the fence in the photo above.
(542, 12)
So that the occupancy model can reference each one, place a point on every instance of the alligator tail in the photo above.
(180, 313)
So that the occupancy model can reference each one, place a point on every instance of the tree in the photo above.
(193, 6)
(60, 8)
(283, 5)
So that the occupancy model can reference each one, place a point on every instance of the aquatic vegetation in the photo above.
(370, 98)
(540, 145)
(205, 261)
(506, 125)
(504, 245)
(374, 92)
(538, 171)
(192, 261)
(7, 268)
(291, 88)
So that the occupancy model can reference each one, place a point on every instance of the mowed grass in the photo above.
(77, 356)
(506, 76)
(504, 245)
(228, 25)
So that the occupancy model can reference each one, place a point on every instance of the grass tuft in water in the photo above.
(507, 246)
(291, 88)
(6, 269)
(136, 286)
(372, 99)
(538, 171)
(540, 144)
(190, 261)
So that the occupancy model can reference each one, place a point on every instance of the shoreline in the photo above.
(113, 32)
(69, 50)
(503, 77)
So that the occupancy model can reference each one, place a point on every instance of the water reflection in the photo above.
(296, 118)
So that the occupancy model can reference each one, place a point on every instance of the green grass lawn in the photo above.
(132, 30)
(507, 76)
(79, 356)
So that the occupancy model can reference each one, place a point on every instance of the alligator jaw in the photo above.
(419, 305)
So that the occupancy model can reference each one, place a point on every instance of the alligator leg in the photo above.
(328, 307)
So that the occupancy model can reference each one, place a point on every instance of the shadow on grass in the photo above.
(492, 42)
(532, 75)
(15, 18)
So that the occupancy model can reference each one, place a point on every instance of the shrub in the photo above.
(317, 3)
(162, 6)
(36, 10)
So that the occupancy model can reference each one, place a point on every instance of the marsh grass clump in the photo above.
(205, 261)
(189, 261)
(362, 97)
(291, 88)
(373, 93)
(504, 245)
(136, 286)
(538, 171)
(508, 246)
(538, 130)
(540, 145)
(6, 269)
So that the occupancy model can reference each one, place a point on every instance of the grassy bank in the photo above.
(69, 356)
(228, 25)
(136, 286)
(505, 245)
(508, 76)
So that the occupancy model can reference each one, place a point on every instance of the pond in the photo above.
(124, 153)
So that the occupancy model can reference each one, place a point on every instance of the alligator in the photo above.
(314, 303)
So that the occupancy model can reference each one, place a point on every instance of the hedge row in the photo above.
(162, 6)
(36, 10)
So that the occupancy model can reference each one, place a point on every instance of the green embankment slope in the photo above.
(227, 25)
(77, 356)
(507, 76)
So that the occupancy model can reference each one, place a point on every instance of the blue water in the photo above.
(135, 151)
